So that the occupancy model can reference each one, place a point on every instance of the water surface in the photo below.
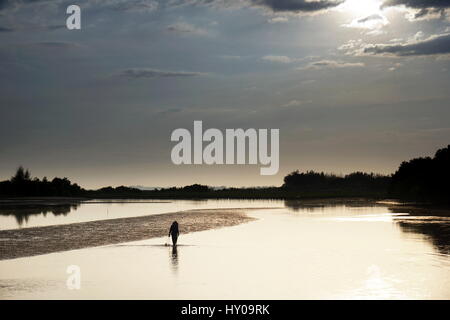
(37, 214)
(296, 252)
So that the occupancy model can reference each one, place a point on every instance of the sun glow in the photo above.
(361, 8)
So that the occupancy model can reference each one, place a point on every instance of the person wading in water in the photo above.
(174, 232)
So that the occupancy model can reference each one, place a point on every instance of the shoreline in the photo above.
(27, 242)
(307, 198)
(214, 195)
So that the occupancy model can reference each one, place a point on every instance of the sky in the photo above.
(352, 85)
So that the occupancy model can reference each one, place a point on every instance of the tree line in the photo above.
(422, 179)
(23, 185)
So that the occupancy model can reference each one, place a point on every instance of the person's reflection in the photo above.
(174, 259)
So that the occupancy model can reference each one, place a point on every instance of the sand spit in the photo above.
(26, 242)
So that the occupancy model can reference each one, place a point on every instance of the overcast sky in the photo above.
(352, 85)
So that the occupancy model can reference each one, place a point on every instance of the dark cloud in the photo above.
(370, 18)
(141, 6)
(136, 73)
(297, 5)
(424, 7)
(137, 5)
(6, 29)
(122, 5)
(435, 45)
(418, 4)
(3, 4)
(294, 6)
(12, 3)
(331, 64)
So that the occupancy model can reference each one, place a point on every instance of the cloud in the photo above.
(278, 20)
(136, 73)
(297, 6)
(279, 59)
(434, 45)
(331, 64)
(38, 15)
(6, 29)
(123, 5)
(372, 17)
(186, 28)
(5, 4)
(219, 4)
(372, 22)
(423, 9)
(296, 103)
(419, 36)
(273, 6)
(418, 4)
(132, 5)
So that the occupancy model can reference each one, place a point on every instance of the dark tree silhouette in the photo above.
(21, 175)
(424, 178)
(22, 185)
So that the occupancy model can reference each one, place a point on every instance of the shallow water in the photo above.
(37, 215)
(316, 252)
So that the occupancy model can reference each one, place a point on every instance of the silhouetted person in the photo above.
(174, 232)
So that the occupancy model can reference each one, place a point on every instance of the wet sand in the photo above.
(26, 242)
